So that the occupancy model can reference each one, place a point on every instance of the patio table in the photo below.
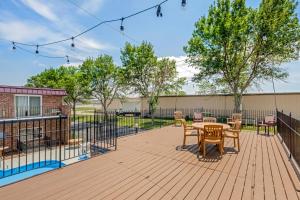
(200, 125)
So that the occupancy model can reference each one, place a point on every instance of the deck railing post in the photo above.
(60, 130)
(160, 117)
(116, 129)
(290, 135)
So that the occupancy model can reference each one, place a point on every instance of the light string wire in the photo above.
(93, 27)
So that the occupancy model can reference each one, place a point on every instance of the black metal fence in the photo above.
(131, 122)
(289, 130)
(54, 141)
(31, 143)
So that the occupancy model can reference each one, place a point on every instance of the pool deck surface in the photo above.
(154, 165)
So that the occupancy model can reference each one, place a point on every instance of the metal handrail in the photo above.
(296, 132)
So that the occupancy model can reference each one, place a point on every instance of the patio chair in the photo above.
(189, 131)
(269, 121)
(233, 118)
(234, 133)
(198, 117)
(178, 116)
(213, 134)
(210, 119)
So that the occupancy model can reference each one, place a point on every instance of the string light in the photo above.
(72, 44)
(158, 8)
(14, 46)
(158, 11)
(99, 24)
(122, 27)
(37, 49)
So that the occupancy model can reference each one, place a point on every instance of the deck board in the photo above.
(153, 165)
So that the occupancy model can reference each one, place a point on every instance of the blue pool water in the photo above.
(19, 173)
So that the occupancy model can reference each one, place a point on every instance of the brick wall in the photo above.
(6, 105)
(50, 104)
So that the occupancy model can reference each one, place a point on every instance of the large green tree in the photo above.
(106, 82)
(236, 46)
(147, 75)
(68, 78)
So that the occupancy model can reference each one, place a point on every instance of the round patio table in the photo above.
(200, 125)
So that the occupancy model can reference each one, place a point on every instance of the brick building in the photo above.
(32, 116)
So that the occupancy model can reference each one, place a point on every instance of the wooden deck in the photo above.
(153, 165)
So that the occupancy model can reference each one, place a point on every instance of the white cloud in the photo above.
(26, 31)
(41, 8)
(92, 5)
(184, 70)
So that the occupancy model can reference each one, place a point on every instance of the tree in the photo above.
(236, 47)
(105, 80)
(68, 78)
(147, 75)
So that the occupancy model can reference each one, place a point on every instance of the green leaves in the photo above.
(238, 46)
(147, 75)
(68, 78)
(106, 81)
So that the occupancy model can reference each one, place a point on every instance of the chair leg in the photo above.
(220, 149)
(204, 149)
(234, 141)
(184, 139)
(238, 140)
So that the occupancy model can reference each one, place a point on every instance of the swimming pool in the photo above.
(26, 171)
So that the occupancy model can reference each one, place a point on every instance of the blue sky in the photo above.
(38, 21)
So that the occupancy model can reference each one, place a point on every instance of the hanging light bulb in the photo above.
(37, 49)
(122, 27)
(183, 3)
(158, 11)
(68, 61)
(72, 44)
(14, 46)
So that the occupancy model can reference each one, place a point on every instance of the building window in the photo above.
(27, 106)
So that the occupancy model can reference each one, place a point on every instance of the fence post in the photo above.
(60, 130)
(160, 117)
(290, 135)
(116, 129)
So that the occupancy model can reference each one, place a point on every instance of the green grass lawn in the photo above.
(143, 123)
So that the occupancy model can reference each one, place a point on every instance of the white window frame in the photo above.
(28, 104)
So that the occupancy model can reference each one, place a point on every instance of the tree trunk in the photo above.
(237, 102)
(152, 108)
(105, 112)
(74, 110)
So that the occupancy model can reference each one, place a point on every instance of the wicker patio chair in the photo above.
(233, 118)
(189, 131)
(269, 121)
(234, 133)
(213, 134)
(210, 119)
(178, 116)
(198, 117)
